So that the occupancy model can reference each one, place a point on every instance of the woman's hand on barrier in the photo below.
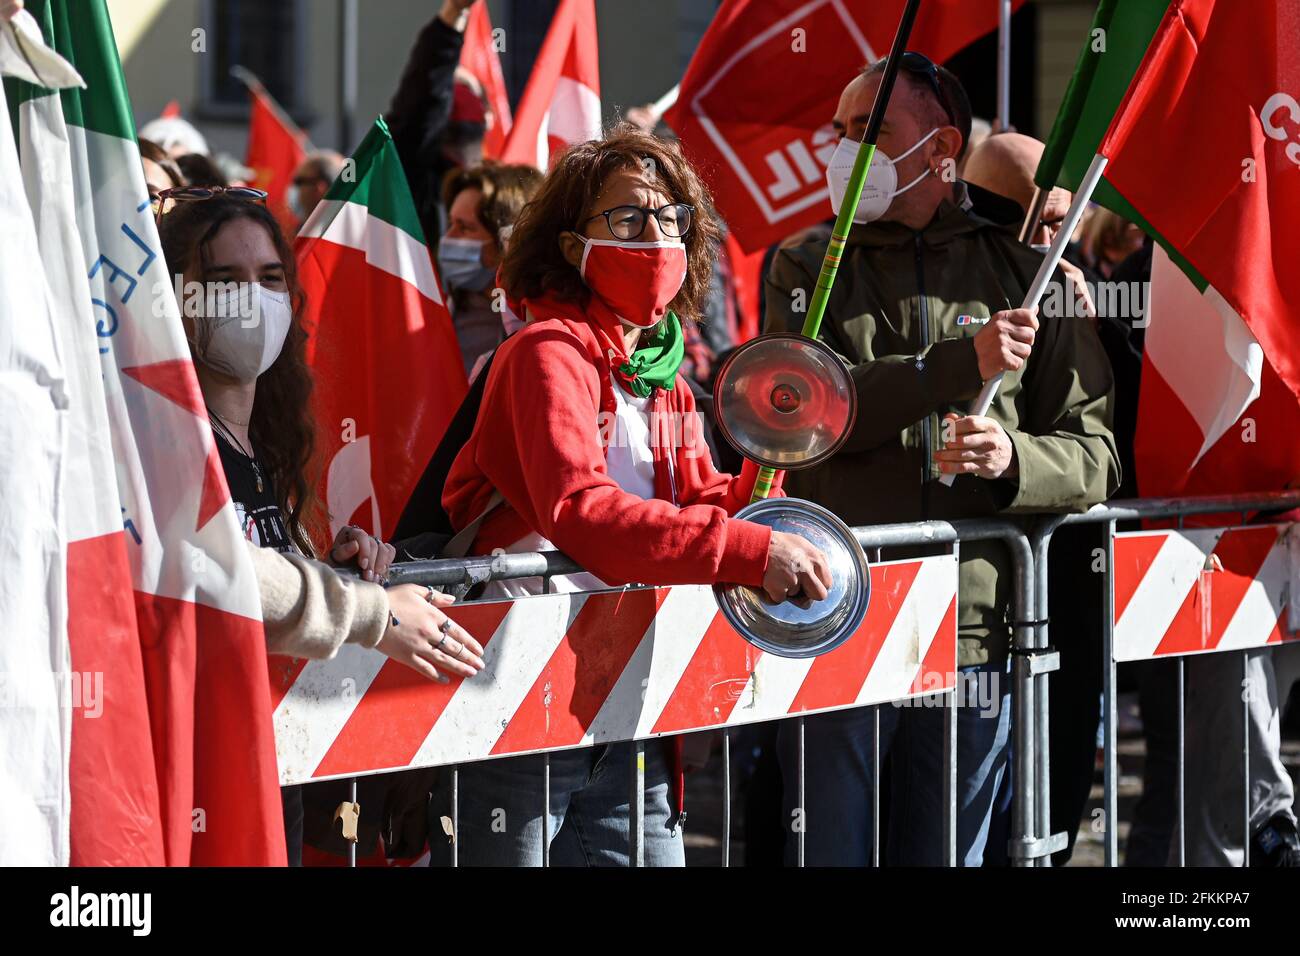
(371, 556)
(795, 570)
(423, 638)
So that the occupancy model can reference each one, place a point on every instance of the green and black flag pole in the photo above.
(852, 194)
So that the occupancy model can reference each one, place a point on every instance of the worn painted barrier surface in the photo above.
(572, 670)
(1204, 589)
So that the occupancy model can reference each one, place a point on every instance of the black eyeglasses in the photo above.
(919, 64)
(167, 198)
(628, 222)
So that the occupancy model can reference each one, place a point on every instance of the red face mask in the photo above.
(635, 279)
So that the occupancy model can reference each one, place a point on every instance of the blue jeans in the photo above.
(500, 810)
(838, 783)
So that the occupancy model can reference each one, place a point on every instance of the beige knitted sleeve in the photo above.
(310, 611)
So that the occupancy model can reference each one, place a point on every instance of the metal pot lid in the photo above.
(786, 629)
(785, 401)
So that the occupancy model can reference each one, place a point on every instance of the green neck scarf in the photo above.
(655, 363)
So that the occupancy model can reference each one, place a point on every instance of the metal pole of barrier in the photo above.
(1110, 802)
(873, 557)
(1025, 833)
(546, 810)
(352, 844)
(1182, 751)
(950, 756)
(1182, 766)
(950, 774)
(636, 807)
(1247, 691)
(803, 808)
(875, 785)
(455, 815)
(726, 796)
(1042, 663)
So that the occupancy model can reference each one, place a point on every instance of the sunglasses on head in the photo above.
(918, 64)
(167, 199)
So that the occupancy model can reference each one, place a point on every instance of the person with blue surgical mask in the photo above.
(482, 204)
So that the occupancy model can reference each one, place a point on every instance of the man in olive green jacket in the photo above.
(924, 311)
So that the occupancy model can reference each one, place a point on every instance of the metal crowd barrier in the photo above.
(1033, 660)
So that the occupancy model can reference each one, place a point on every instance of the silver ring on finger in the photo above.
(438, 646)
(446, 626)
(429, 593)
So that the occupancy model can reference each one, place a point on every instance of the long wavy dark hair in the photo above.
(281, 428)
(534, 263)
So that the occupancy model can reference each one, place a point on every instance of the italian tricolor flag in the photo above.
(177, 763)
(387, 369)
(1193, 103)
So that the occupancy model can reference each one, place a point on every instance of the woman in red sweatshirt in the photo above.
(587, 441)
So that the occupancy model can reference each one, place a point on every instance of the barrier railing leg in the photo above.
(1024, 833)
(455, 816)
(1248, 692)
(875, 785)
(1110, 802)
(803, 806)
(726, 796)
(352, 845)
(1181, 825)
(636, 806)
(874, 557)
(950, 775)
(546, 810)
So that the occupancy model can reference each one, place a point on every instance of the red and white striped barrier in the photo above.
(650, 662)
(1202, 590)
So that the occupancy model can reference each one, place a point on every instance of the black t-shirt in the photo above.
(260, 518)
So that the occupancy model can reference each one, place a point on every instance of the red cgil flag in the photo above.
(1205, 147)
(276, 147)
(561, 104)
(755, 107)
(479, 57)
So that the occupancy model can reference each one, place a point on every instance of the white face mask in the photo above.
(881, 188)
(242, 329)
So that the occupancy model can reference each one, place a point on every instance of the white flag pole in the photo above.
(662, 105)
(1044, 276)
(1004, 67)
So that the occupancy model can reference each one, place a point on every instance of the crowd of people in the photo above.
(619, 305)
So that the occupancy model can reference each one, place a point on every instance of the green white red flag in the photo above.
(1193, 102)
(178, 765)
(387, 369)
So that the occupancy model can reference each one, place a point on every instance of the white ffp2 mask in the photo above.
(242, 329)
(881, 187)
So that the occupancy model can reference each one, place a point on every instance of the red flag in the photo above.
(1206, 148)
(747, 280)
(561, 104)
(383, 351)
(172, 110)
(479, 57)
(276, 147)
(755, 107)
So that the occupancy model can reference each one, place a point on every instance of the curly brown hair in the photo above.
(281, 428)
(534, 264)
